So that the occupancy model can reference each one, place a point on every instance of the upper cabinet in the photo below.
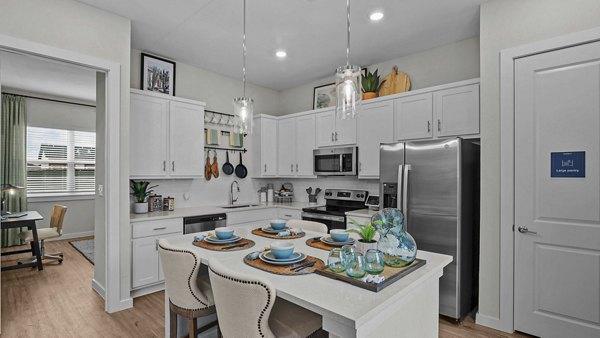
(166, 136)
(375, 126)
(264, 147)
(334, 132)
(296, 143)
(457, 111)
(413, 116)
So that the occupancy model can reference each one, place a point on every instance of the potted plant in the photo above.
(139, 191)
(367, 236)
(371, 85)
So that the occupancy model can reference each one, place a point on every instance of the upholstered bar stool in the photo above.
(307, 225)
(247, 306)
(188, 285)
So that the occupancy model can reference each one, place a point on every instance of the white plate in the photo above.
(270, 257)
(216, 240)
(299, 259)
(327, 240)
(274, 231)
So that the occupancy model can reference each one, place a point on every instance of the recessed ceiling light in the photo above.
(376, 16)
(280, 54)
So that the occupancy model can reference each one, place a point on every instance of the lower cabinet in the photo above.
(288, 214)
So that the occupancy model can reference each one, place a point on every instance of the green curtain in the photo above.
(13, 159)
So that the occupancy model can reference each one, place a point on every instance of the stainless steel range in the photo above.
(337, 203)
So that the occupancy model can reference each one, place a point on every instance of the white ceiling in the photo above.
(47, 77)
(207, 33)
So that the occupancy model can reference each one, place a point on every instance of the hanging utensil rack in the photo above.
(242, 150)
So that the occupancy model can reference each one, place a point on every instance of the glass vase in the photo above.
(398, 246)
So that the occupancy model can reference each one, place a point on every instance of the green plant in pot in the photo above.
(367, 234)
(371, 85)
(140, 191)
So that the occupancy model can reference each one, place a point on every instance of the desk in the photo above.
(27, 221)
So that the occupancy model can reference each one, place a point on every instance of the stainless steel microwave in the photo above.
(336, 161)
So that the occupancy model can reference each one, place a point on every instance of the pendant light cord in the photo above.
(348, 40)
(244, 51)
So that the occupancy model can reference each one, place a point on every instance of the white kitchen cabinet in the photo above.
(413, 117)
(334, 132)
(287, 214)
(264, 149)
(305, 144)
(286, 154)
(457, 111)
(166, 136)
(375, 126)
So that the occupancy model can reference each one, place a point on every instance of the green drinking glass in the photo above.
(355, 264)
(334, 261)
(374, 261)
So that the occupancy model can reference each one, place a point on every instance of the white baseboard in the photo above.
(147, 290)
(73, 235)
(99, 289)
(492, 322)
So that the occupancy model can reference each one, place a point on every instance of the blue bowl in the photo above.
(282, 250)
(339, 235)
(224, 233)
(278, 224)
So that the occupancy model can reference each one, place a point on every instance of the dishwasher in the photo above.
(203, 223)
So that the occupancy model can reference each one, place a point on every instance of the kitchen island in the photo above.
(407, 308)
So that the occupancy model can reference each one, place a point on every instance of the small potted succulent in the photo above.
(140, 191)
(371, 85)
(367, 234)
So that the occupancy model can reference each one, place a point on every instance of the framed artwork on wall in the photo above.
(158, 74)
(324, 96)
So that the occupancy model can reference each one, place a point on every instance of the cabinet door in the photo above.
(287, 149)
(325, 128)
(457, 111)
(148, 136)
(413, 117)
(186, 130)
(144, 263)
(305, 144)
(375, 126)
(268, 147)
(345, 131)
(161, 274)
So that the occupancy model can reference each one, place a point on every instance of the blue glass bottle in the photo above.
(398, 246)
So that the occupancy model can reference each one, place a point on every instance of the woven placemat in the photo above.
(316, 243)
(248, 243)
(260, 232)
(286, 269)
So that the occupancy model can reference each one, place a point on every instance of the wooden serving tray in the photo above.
(285, 269)
(260, 232)
(391, 275)
(248, 243)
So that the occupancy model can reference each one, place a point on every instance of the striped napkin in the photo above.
(213, 137)
(236, 140)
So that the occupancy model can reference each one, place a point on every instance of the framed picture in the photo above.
(324, 96)
(158, 75)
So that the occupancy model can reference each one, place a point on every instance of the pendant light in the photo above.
(347, 82)
(243, 107)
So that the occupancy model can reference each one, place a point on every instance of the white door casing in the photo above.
(557, 219)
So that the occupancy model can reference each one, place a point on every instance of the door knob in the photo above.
(524, 230)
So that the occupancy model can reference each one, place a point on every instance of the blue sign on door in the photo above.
(567, 164)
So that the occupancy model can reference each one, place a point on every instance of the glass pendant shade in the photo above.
(348, 80)
(243, 109)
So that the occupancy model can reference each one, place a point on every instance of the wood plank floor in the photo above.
(59, 302)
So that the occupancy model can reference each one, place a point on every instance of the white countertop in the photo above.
(361, 213)
(344, 303)
(213, 209)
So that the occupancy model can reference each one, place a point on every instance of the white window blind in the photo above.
(60, 161)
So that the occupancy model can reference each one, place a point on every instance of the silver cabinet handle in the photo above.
(173, 165)
(429, 126)
(296, 167)
(290, 216)
(265, 167)
(439, 125)
(161, 228)
(336, 138)
(164, 165)
(359, 166)
(524, 230)
(291, 167)
(156, 245)
(332, 137)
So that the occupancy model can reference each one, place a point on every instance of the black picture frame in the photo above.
(329, 91)
(171, 68)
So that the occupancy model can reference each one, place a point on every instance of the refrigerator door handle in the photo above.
(399, 199)
(407, 168)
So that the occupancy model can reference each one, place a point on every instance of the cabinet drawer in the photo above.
(158, 227)
(251, 216)
(288, 214)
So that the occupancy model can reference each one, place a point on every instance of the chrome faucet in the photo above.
(231, 200)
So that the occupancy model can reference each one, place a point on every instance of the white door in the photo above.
(557, 218)
(375, 126)
(148, 136)
(186, 140)
(305, 144)
(457, 111)
(144, 267)
(413, 117)
(268, 150)
(345, 131)
(325, 128)
(287, 148)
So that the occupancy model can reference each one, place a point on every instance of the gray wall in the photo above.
(216, 90)
(504, 24)
(450, 63)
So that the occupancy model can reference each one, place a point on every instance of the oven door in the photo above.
(335, 161)
(332, 221)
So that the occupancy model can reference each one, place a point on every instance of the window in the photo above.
(60, 161)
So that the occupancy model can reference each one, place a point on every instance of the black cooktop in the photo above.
(331, 210)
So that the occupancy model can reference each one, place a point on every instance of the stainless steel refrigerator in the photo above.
(436, 185)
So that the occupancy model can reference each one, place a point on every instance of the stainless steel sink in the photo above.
(239, 206)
